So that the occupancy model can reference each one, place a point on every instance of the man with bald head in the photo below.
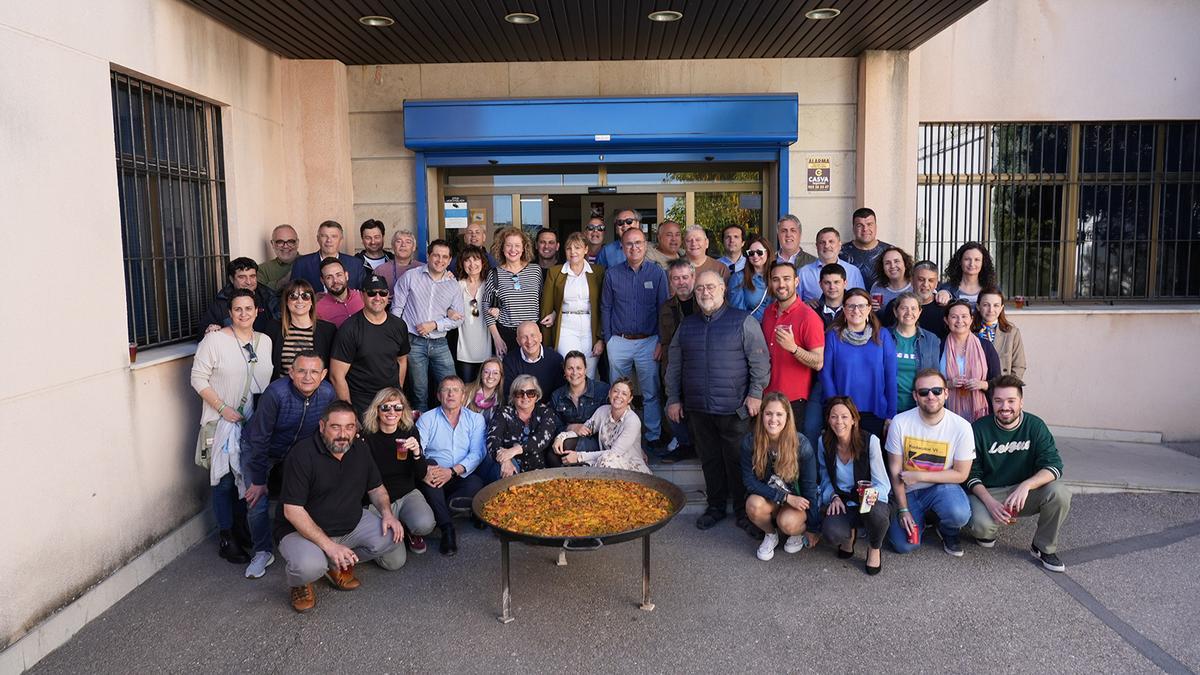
(276, 272)
(717, 368)
(695, 249)
(545, 365)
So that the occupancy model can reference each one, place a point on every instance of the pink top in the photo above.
(335, 311)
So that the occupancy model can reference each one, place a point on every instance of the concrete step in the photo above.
(688, 476)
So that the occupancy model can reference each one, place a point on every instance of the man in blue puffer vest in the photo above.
(288, 411)
(717, 368)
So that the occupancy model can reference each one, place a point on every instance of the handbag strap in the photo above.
(249, 376)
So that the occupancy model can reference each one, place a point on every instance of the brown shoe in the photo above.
(303, 598)
(343, 579)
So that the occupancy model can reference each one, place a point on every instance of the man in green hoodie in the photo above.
(1016, 474)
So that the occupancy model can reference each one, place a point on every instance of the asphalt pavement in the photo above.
(1126, 604)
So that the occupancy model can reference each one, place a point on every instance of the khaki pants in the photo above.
(306, 562)
(1050, 503)
(414, 514)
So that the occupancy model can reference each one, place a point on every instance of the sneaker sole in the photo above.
(767, 557)
(1053, 568)
(270, 561)
(952, 552)
(986, 543)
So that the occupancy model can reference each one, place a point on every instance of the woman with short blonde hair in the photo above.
(395, 446)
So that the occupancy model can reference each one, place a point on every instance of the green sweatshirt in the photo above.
(1004, 458)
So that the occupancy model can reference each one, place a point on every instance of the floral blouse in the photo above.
(506, 430)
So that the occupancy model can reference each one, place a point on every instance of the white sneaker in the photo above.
(673, 445)
(258, 566)
(766, 550)
(795, 543)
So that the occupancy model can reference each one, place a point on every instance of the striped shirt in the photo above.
(296, 341)
(418, 298)
(518, 296)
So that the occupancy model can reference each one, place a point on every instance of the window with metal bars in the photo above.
(1069, 211)
(171, 187)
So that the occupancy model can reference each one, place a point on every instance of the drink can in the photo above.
(914, 537)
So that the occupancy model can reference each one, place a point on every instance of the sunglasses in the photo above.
(755, 252)
(627, 221)
(925, 391)
(391, 407)
(299, 295)
(525, 393)
(474, 307)
(595, 228)
(376, 293)
(253, 357)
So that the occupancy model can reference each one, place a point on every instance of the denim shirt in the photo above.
(595, 394)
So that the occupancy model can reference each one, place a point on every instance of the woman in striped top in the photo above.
(513, 291)
(298, 329)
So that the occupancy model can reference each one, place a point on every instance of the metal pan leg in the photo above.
(505, 593)
(646, 604)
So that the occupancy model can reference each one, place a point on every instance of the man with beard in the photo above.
(370, 351)
(276, 272)
(933, 316)
(373, 254)
(1016, 474)
(681, 277)
(717, 369)
(325, 529)
(339, 302)
(329, 244)
(242, 274)
(546, 244)
(796, 342)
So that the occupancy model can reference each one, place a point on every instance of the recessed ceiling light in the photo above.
(378, 21)
(665, 15)
(521, 18)
(822, 13)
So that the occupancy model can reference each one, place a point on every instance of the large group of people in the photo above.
(852, 393)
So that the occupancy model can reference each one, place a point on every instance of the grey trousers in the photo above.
(838, 529)
(414, 513)
(306, 562)
(1050, 503)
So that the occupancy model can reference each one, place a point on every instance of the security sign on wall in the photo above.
(456, 213)
(818, 174)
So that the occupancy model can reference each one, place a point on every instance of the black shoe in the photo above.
(449, 543)
(1049, 560)
(843, 554)
(872, 571)
(229, 550)
(679, 454)
(709, 518)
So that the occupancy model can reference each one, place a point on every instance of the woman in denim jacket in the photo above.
(916, 348)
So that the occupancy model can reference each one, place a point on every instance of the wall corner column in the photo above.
(886, 157)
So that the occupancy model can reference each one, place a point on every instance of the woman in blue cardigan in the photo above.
(860, 362)
(916, 348)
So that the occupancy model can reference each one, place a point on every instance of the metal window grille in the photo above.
(171, 186)
(1069, 211)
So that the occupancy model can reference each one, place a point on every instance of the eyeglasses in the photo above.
(925, 391)
(250, 351)
(595, 228)
(299, 295)
(525, 393)
(391, 407)
(756, 252)
(634, 244)
(285, 242)
(376, 293)
(627, 221)
(857, 307)
(474, 307)
(707, 288)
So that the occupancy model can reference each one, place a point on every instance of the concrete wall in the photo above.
(827, 90)
(1083, 60)
(96, 461)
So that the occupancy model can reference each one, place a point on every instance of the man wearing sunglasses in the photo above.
(430, 301)
(593, 231)
(930, 451)
(829, 244)
(613, 253)
(276, 272)
(242, 274)
(370, 351)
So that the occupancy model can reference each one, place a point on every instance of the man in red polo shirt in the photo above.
(795, 340)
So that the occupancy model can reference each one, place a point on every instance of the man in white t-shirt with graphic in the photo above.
(930, 450)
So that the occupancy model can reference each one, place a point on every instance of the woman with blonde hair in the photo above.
(486, 394)
(396, 447)
(780, 473)
(571, 304)
(512, 293)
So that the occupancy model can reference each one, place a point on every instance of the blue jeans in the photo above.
(425, 355)
(948, 501)
(627, 357)
(225, 502)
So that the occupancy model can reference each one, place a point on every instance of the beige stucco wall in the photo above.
(96, 458)
(827, 93)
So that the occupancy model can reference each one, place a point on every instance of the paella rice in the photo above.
(576, 507)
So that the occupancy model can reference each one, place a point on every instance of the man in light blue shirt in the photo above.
(829, 244)
(613, 254)
(734, 239)
(452, 438)
(430, 301)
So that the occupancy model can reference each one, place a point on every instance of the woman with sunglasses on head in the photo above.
(396, 447)
(748, 289)
(231, 365)
(780, 474)
(970, 271)
(968, 362)
(993, 326)
(474, 343)
(520, 434)
(893, 269)
(916, 348)
(860, 362)
(571, 304)
(512, 292)
(299, 329)
(850, 458)
(618, 430)
(485, 395)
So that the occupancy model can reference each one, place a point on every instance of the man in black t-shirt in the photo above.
(325, 528)
(371, 349)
